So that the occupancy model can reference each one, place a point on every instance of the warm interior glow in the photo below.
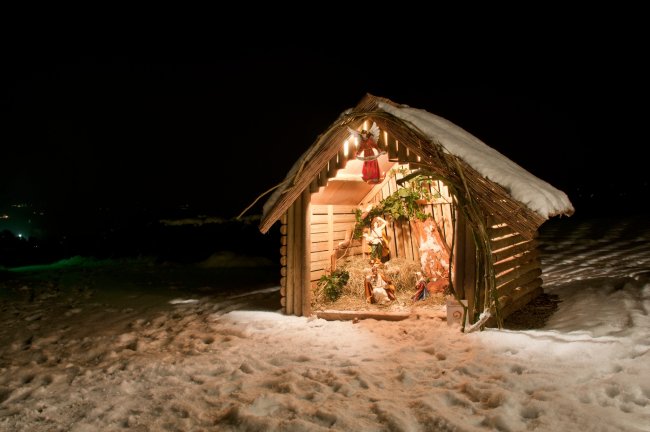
(346, 144)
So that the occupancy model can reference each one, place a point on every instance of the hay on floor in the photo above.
(401, 271)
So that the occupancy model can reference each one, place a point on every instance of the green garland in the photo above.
(401, 204)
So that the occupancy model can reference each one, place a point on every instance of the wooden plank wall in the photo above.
(402, 238)
(441, 210)
(517, 267)
(330, 225)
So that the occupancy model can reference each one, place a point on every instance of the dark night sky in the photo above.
(124, 133)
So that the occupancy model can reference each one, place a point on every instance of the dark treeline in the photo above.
(176, 243)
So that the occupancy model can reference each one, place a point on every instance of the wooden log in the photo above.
(332, 168)
(314, 187)
(523, 299)
(283, 240)
(516, 272)
(500, 231)
(412, 157)
(392, 148)
(297, 256)
(283, 271)
(511, 305)
(283, 261)
(402, 156)
(504, 242)
(446, 227)
(507, 299)
(523, 280)
(514, 250)
(342, 158)
(305, 309)
(284, 230)
(283, 250)
(323, 177)
(515, 261)
(458, 264)
(469, 285)
(283, 284)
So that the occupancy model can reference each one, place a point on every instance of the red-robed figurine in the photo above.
(369, 153)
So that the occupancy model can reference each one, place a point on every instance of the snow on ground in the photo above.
(148, 347)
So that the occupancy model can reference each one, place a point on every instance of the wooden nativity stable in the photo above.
(484, 210)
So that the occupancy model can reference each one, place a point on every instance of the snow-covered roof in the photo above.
(534, 194)
(523, 186)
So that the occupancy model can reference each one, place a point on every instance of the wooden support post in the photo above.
(322, 177)
(342, 158)
(306, 262)
(332, 168)
(392, 149)
(313, 186)
(402, 156)
(299, 227)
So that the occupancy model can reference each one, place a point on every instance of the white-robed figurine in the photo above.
(376, 238)
(378, 287)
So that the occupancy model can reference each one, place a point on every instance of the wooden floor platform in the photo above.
(339, 315)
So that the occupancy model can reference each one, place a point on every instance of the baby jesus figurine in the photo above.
(378, 287)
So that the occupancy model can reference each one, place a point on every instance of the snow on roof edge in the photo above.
(537, 194)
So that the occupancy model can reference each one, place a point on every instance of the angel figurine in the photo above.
(369, 152)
